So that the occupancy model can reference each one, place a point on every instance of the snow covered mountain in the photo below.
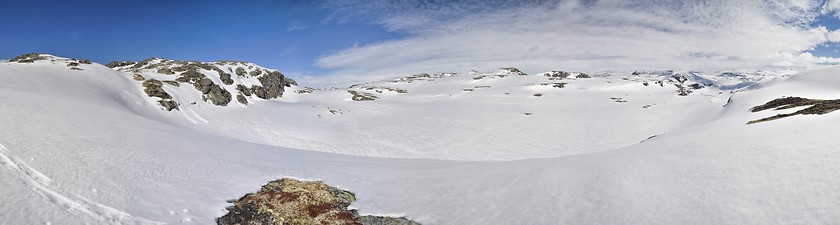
(160, 142)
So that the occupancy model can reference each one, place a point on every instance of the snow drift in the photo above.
(87, 145)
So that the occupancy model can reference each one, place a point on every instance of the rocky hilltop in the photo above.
(216, 82)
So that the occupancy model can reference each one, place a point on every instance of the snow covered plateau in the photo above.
(170, 142)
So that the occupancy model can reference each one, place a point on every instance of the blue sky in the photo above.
(328, 42)
(286, 35)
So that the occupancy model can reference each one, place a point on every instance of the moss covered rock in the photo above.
(241, 99)
(293, 202)
(273, 85)
(361, 96)
(115, 64)
(28, 58)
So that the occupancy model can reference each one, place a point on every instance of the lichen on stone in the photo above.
(817, 107)
(28, 58)
(154, 88)
(361, 96)
(241, 99)
(292, 202)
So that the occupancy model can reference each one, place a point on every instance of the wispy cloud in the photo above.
(295, 25)
(585, 35)
(288, 51)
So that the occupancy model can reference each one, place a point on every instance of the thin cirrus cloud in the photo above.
(584, 35)
(295, 25)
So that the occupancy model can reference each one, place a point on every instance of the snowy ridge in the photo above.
(217, 83)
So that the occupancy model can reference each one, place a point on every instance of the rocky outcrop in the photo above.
(361, 96)
(29, 58)
(292, 202)
(154, 88)
(558, 75)
(818, 107)
(513, 71)
(214, 79)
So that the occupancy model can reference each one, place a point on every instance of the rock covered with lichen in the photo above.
(293, 202)
(215, 83)
(72, 64)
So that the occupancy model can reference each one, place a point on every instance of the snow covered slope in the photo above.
(88, 146)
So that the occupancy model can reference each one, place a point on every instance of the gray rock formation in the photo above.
(201, 76)
(290, 201)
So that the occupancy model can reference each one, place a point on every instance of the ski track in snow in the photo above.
(42, 185)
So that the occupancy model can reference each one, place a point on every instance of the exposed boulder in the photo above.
(154, 88)
(557, 74)
(513, 71)
(115, 64)
(289, 82)
(225, 77)
(254, 73)
(241, 99)
(557, 85)
(240, 71)
(306, 90)
(167, 71)
(818, 107)
(361, 96)
(168, 104)
(583, 75)
(28, 58)
(273, 85)
(292, 202)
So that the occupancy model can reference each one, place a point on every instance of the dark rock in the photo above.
(382, 220)
(168, 104)
(171, 82)
(361, 96)
(818, 107)
(695, 86)
(289, 201)
(115, 64)
(289, 82)
(28, 58)
(557, 74)
(167, 71)
(273, 85)
(154, 88)
(240, 71)
(225, 77)
(513, 71)
(143, 63)
(243, 90)
(241, 99)
(583, 75)
(254, 73)
(682, 91)
(306, 90)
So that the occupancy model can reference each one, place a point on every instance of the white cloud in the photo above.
(832, 7)
(585, 35)
(834, 36)
(288, 51)
(295, 25)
